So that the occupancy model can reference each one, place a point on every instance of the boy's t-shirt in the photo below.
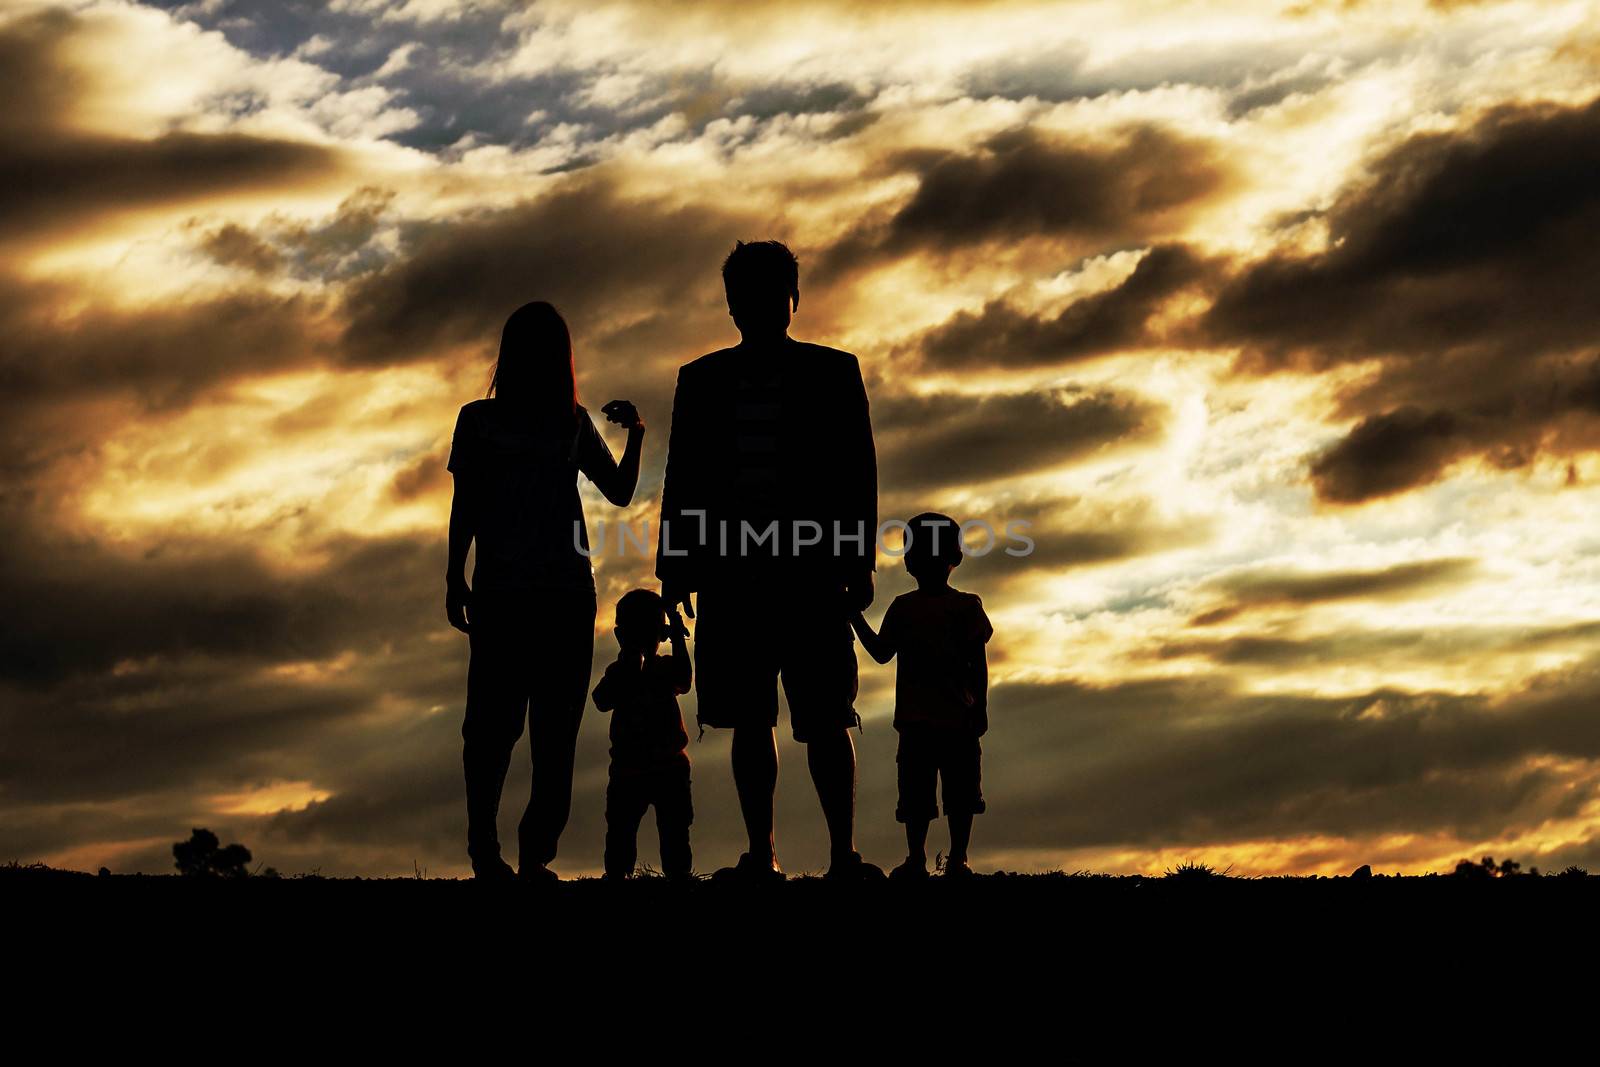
(934, 636)
(521, 474)
(646, 725)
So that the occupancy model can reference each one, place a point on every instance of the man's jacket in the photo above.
(771, 470)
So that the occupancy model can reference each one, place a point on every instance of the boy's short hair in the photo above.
(642, 611)
(760, 269)
(933, 537)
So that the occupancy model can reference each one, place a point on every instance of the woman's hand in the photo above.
(624, 414)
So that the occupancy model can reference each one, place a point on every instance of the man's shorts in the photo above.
(745, 640)
(952, 758)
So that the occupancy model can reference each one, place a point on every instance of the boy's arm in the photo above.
(878, 646)
(978, 686)
(683, 677)
(978, 667)
(609, 691)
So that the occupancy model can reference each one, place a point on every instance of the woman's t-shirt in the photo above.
(520, 473)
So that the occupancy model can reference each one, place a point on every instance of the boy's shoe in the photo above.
(751, 871)
(537, 874)
(959, 870)
(910, 871)
(854, 869)
(492, 870)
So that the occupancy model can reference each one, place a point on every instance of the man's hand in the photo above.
(624, 414)
(675, 626)
(858, 592)
(457, 598)
(674, 596)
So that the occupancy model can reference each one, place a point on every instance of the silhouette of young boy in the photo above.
(940, 692)
(649, 761)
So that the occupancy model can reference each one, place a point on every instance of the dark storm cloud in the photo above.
(1389, 453)
(1466, 264)
(1176, 762)
(162, 353)
(584, 247)
(90, 609)
(53, 177)
(619, 269)
(1267, 587)
(1117, 191)
(1001, 336)
(1025, 183)
(950, 440)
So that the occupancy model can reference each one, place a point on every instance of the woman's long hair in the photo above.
(535, 368)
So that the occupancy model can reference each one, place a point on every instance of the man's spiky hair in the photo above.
(756, 268)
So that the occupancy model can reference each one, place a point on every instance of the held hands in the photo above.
(858, 592)
(673, 595)
(624, 414)
(675, 626)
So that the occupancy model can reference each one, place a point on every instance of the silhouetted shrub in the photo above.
(1573, 871)
(201, 857)
(1487, 868)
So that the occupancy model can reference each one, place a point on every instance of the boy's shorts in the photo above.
(951, 757)
(745, 640)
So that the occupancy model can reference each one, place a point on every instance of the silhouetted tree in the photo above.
(201, 856)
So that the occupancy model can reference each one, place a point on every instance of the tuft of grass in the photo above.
(1193, 871)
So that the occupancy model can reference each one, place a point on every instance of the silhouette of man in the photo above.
(769, 513)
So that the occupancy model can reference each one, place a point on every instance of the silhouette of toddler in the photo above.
(649, 761)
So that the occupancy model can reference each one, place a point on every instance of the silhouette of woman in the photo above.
(529, 613)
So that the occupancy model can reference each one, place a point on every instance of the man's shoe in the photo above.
(854, 869)
(910, 871)
(959, 871)
(751, 871)
(492, 870)
(537, 874)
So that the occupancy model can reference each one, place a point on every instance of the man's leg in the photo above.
(917, 843)
(831, 755)
(960, 833)
(755, 777)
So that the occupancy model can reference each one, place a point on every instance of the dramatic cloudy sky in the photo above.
(1277, 320)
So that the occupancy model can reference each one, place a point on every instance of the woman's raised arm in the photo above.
(617, 481)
